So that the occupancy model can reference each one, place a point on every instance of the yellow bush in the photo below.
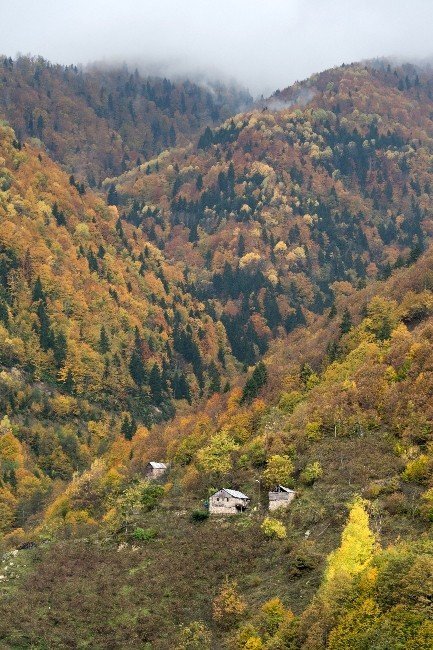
(418, 469)
(64, 405)
(312, 429)
(77, 517)
(254, 643)
(228, 606)
(273, 528)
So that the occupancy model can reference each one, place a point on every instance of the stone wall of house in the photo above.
(224, 507)
(154, 473)
(280, 499)
(221, 508)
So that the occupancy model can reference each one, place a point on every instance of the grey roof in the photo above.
(157, 465)
(281, 488)
(236, 494)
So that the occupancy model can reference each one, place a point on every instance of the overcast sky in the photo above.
(264, 44)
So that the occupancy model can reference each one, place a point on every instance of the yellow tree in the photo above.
(278, 471)
(216, 458)
(228, 606)
(357, 546)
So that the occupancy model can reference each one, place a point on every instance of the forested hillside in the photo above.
(103, 120)
(254, 308)
(275, 206)
(342, 413)
(97, 333)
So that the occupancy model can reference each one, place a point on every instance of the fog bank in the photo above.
(264, 44)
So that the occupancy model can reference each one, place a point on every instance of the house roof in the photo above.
(157, 465)
(235, 494)
(281, 488)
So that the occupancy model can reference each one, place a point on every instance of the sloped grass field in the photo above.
(102, 592)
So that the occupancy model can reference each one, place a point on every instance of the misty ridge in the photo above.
(213, 79)
(261, 45)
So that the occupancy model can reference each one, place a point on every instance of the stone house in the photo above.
(155, 470)
(228, 502)
(280, 497)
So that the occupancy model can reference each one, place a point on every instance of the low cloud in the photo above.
(264, 44)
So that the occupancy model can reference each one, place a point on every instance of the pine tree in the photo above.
(346, 322)
(69, 382)
(60, 349)
(136, 366)
(241, 245)
(104, 343)
(206, 139)
(129, 427)
(155, 383)
(181, 389)
(172, 136)
(38, 292)
(92, 261)
(215, 379)
(46, 335)
(40, 125)
(271, 311)
(222, 356)
(253, 385)
(112, 196)
(231, 176)
(4, 313)
(58, 215)
(305, 373)
(294, 319)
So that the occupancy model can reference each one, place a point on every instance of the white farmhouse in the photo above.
(280, 497)
(228, 502)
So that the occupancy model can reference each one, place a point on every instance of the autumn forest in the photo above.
(241, 289)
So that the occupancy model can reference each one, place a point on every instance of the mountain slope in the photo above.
(351, 413)
(103, 120)
(273, 207)
(97, 334)
(298, 235)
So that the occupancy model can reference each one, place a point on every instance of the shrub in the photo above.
(303, 558)
(216, 457)
(150, 495)
(228, 606)
(247, 638)
(199, 515)
(289, 401)
(273, 529)
(395, 503)
(418, 470)
(194, 636)
(313, 430)
(427, 505)
(272, 615)
(144, 534)
(311, 473)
